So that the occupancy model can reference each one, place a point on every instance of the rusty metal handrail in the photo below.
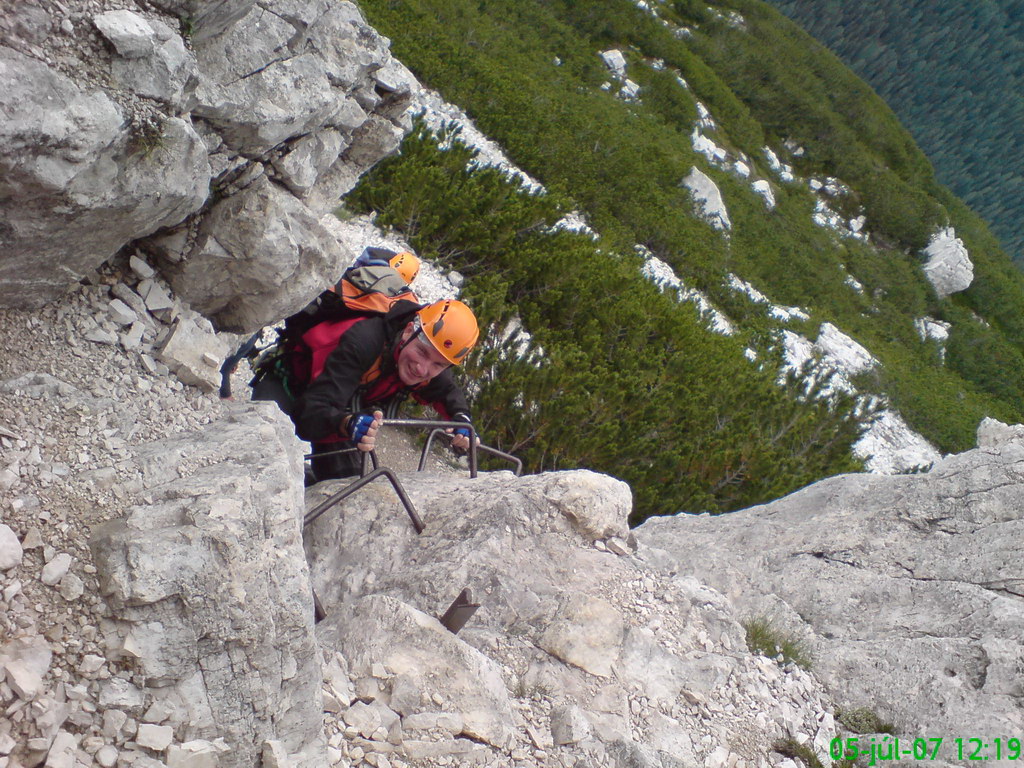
(485, 448)
(432, 424)
(372, 458)
(437, 428)
(309, 456)
(366, 479)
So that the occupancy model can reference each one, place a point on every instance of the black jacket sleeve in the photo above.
(319, 413)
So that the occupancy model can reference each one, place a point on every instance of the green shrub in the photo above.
(863, 720)
(794, 749)
(764, 639)
(529, 73)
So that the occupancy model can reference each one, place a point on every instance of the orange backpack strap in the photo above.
(373, 372)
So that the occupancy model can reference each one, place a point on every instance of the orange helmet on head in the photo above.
(451, 327)
(406, 264)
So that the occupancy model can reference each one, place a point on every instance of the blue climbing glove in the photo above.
(461, 431)
(359, 425)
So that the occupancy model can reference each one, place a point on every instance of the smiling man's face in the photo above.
(418, 361)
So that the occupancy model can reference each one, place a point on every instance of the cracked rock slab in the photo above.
(84, 183)
(908, 589)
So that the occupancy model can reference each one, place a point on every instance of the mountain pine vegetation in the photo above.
(630, 382)
(953, 72)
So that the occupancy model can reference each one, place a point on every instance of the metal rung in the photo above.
(485, 448)
(366, 479)
(459, 612)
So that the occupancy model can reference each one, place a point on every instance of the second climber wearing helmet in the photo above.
(377, 362)
(406, 263)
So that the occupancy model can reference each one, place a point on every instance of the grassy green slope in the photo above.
(633, 385)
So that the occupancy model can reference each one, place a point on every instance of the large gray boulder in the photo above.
(908, 589)
(297, 94)
(202, 19)
(258, 256)
(286, 69)
(292, 99)
(209, 590)
(76, 183)
(596, 657)
(153, 60)
(707, 199)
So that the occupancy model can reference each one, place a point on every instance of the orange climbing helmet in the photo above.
(451, 327)
(406, 264)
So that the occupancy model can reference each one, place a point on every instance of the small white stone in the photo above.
(10, 548)
(618, 546)
(106, 756)
(62, 751)
(71, 587)
(129, 33)
(193, 754)
(12, 590)
(141, 268)
(157, 298)
(155, 737)
(158, 712)
(23, 679)
(275, 755)
(91, 664)
(113, 722)
(7, 744)
(55, 570)
(121, 313)
(99, 336)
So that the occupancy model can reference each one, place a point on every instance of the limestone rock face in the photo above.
(427, 661)
(907, 588)
(164, 69)
(75, 185)
(209, 589)
(291, 98)
(280, 103)
(576, 648)
(206, 18)
(255, 252)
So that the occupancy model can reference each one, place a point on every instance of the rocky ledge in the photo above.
(907, 590)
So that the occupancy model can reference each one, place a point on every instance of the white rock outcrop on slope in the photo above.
(663, 275)
(616, 62)
(843, 352)
(707, 199)
(778, 311)
(764, 189)
(907, 589)
(948, 268)
(889, 446)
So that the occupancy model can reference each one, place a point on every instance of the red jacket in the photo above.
(353, 368)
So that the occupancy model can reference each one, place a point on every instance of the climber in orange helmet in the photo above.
(361, 366)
